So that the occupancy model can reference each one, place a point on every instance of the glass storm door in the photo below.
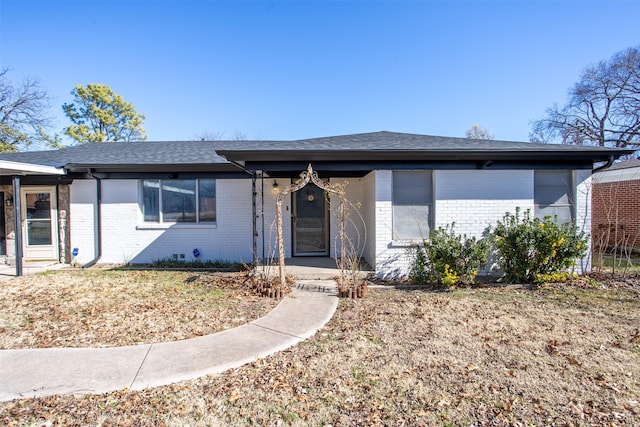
(39, 222)
(310, 222)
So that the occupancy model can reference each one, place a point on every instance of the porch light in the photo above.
(9, 202)
(275, 186)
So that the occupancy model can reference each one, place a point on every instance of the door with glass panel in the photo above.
(39, 223)
(310, 222)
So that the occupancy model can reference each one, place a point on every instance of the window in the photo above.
(179, 200)
(412, 204)
(553, 195)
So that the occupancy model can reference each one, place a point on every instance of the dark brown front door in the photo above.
(310, 222)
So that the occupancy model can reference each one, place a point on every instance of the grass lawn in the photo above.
(98, 308)
(620, 263)
(557, 355)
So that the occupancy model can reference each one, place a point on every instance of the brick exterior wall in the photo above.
(473, 199)
(126, 238)
(616, 214)
(476, 199)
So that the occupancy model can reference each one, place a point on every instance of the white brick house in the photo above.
(142, 202)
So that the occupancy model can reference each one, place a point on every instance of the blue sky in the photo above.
(303, 69)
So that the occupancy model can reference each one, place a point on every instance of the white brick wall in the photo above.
(390, 259)
(82, 217)
(127, 239)
(473, 199)
(583, 180)
(476, 199)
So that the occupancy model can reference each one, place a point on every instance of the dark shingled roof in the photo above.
(392, 145)
(394, 141)
(193, 155)
(220, 155)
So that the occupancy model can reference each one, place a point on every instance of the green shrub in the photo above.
(204, 264)
(419, 272)
(531, 249)
(449, 259)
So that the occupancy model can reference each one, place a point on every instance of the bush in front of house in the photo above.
(448, 259)
(530, 249)
(196, 264)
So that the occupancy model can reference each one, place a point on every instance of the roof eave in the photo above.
(177, 167)
(395, 155)
(20, 168)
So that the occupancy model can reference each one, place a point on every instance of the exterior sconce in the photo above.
(9, 202)
(274, 186)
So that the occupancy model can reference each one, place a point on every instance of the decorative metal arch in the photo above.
(305, 177)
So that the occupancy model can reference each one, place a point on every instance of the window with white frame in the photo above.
(553, 195)
(412, 204)
(179, 200)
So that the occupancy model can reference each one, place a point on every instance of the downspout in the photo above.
(254, 211)
(262, 213)
(98, 227)
(17, 221)
(606, 165)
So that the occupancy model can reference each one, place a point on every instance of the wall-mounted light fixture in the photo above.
(9, 202)
(274, 186)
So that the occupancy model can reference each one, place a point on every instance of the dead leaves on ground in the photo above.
(113, 308)
(409, 357)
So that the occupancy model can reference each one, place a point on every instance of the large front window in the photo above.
(179, 200)
(553, 195)
(412, 204)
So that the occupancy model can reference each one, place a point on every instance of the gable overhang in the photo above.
(9, 168)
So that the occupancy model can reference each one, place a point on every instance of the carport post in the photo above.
(17, 220)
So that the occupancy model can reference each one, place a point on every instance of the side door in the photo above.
(39, 223)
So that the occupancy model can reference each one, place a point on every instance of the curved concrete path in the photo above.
(43, 372)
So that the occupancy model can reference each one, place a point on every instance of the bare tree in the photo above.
(23, 113)
(478, 132)
(220, 135)
(603, 107)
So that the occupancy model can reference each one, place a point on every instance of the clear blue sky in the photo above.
(302, 69)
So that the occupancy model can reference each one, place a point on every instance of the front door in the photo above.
(310, 222)
(39, 222)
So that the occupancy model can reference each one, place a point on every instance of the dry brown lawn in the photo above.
(559, 355)
(99, 308)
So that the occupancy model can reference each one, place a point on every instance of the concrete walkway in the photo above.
(8, 272)
(43, 372)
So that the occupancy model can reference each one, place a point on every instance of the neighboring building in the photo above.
(616, 206)
(145, 201)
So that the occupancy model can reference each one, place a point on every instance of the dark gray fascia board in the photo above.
(155, 168)
(164, 175)
(410, 155)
